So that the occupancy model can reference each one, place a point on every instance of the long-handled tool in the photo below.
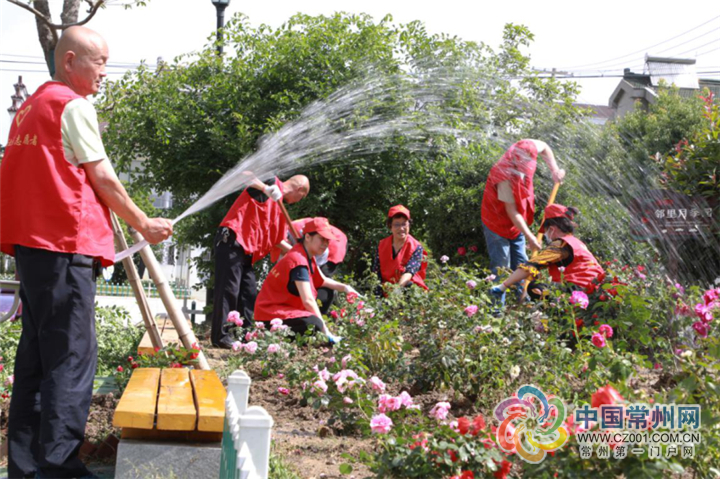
(539, 235)
(294, 231)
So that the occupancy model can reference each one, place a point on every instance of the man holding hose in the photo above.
(508, 204)
(253, 225)
(56, 189)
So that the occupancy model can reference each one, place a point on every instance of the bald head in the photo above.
(296, 188)
(80, 58)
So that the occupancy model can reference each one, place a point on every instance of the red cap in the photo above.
(320, 226)
(399, 210)
(556, 211)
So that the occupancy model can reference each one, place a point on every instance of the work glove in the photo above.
(273, 192)
(498, 295)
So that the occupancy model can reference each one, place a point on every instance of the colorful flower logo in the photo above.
(534, 417)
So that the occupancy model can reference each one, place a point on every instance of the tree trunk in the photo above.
(45, 34)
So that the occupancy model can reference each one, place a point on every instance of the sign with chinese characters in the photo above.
(667, 214)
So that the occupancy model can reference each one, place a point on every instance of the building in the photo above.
(641, 89)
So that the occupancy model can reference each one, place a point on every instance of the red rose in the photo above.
(463, 425)
(478, 425)
(462, 251)
(134, 365)
(130, 359)
(504, 470)
(120, 369)
(467, 475)
(474, 249)
(605, 395)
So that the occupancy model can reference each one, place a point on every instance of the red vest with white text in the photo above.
(274, 300)
(520, 158)
(45, 201)
(258, 226)
(391, 269)
(583, 269)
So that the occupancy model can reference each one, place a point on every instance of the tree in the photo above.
(192, 122)
(48, 30)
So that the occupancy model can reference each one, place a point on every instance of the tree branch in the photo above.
(53, 26)
(39, 15)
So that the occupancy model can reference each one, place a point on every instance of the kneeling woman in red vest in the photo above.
(400, 258)
(290, 289)
(566, 258)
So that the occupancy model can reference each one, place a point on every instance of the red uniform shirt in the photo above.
(274, 300)
(518, 166)
(391, 269)
(258, 226)
(583, 269)
(47, 202)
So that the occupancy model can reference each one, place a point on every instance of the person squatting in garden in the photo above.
(400, 259)
(328, 262)
(251, 228)
(508, 204)
(566, 258)
(290, 289)
(56, 189)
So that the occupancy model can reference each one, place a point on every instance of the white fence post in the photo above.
(239, 386)
(255, 427)
(249, 430)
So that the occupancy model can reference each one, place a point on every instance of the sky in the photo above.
(597, 40)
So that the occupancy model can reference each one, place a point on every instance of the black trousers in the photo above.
(300, 325)
(235, 285)
(326, 296)
(55, 364)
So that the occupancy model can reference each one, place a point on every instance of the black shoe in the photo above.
(224, 343)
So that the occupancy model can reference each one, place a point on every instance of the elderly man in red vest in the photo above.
(56, 189)
(508, 204)
(251, 228)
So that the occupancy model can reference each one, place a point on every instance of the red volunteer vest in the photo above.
(391, 269)
(258, 226)
(274, 300)
(47, 202)
(583, 269)
(493, 212)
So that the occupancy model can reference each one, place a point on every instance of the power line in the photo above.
(647, 48)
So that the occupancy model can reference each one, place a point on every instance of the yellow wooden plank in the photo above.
(210, 400)
(137, 406)
(176, 405)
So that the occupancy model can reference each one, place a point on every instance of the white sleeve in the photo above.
(81, 133)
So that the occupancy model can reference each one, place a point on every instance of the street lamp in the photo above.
(220, 6)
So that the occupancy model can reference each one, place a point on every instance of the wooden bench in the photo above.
(173, 404)
(167, 331)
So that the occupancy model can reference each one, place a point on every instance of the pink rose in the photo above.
(320, 387)
(711, 296)
(471, 310)
(381, 424)
(405, 399)
(324, 374)
(701, 329)
(440, 410)
(598, 340)
(606, 330)
(251, 347)
(348, 400)
(345, 360)
(387, 403)
(284, 391)
(704, 312)
(234, 317)
(444, 259)
(276, 322)
(237, 346)
(579, 298)
(376, 384)
(471, 284)
(259, 325)
(273, 348)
